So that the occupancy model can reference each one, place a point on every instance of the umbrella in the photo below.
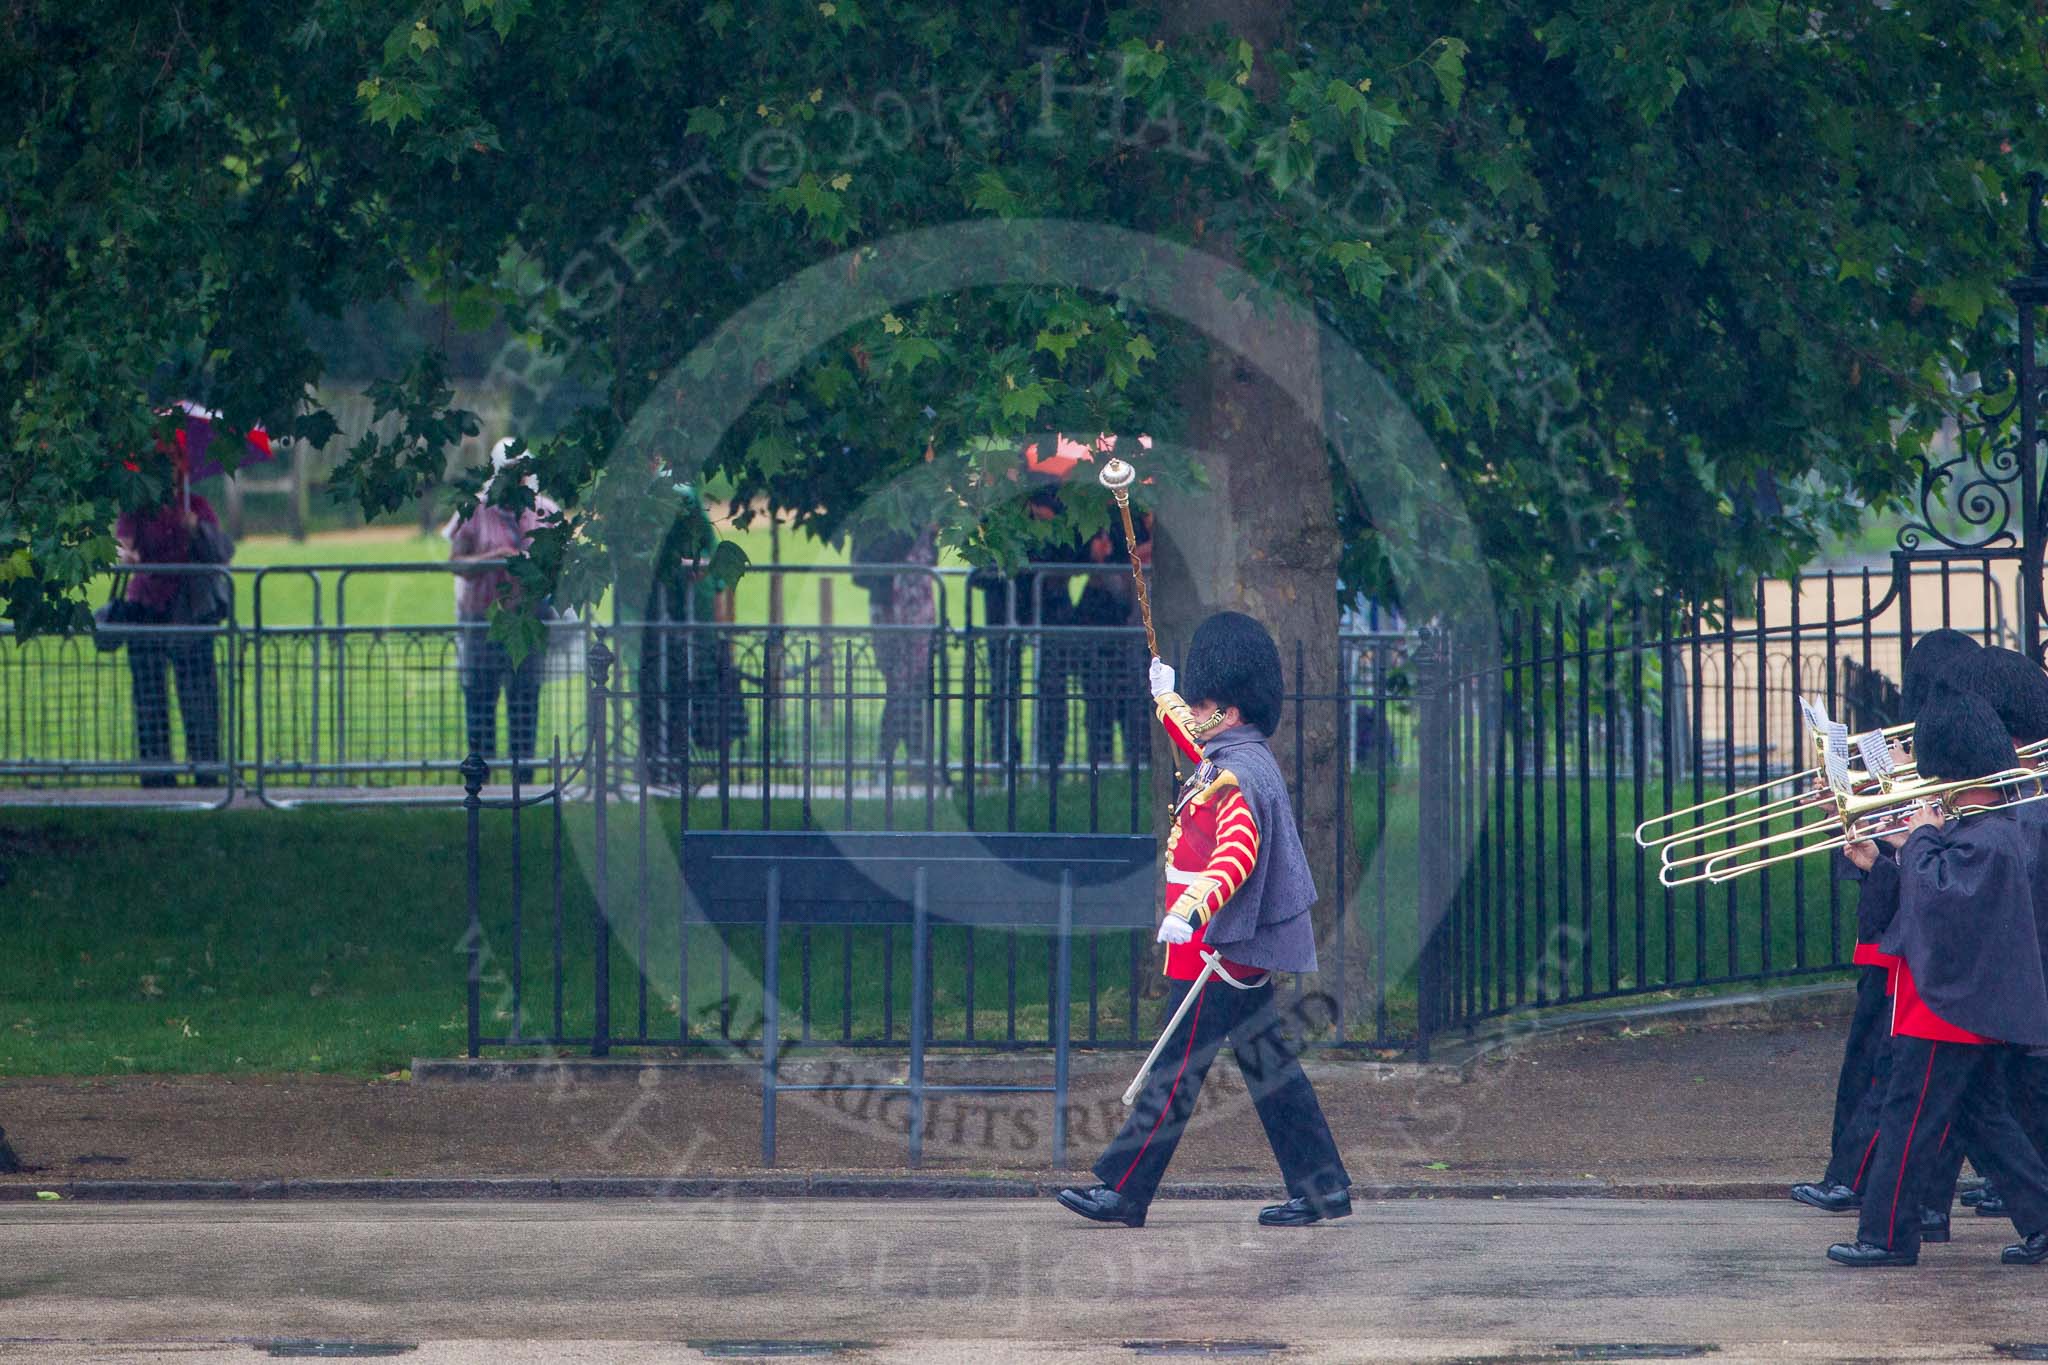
(1068, 452)
(195, 438)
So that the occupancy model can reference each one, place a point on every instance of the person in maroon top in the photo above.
(183, 530)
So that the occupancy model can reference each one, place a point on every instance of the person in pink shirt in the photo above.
(486, 668)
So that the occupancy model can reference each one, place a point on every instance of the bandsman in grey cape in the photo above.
(1238, 887)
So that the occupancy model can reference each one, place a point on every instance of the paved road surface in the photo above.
(978, 1280)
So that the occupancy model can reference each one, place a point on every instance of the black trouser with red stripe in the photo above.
(1268, 1055)
(1859, 1090)
(1934, 1086)
(2026, 1090)
(2029, 1079)
(1856, 1145)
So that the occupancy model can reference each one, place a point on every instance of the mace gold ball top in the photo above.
(1117, 474)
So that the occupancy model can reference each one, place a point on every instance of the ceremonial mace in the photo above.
(1118, 476)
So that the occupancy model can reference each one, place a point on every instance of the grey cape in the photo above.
(2032, 819)
(1966, 927)
(1266, 923)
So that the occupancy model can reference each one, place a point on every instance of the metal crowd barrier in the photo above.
(309, 702)
(142, 704)
(321, 709)
(1047, 882)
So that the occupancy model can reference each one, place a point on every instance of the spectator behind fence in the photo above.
(484, 665)
(183, 530)
(903, 656)
(1114, 665)
(1062, 657)
(1036, 596)
(689, 684)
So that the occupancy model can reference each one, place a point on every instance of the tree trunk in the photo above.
(1262, 539)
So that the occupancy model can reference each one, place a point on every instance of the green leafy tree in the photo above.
(1673, 288)
(1632, 264)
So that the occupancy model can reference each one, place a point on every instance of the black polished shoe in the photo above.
(2033, 1251)
(1933, 1226)
(1972, 1198)
(1862, 1255)
(1828, 1198)
(1992, 1205)
(1104, 1205)
(1299, 1213)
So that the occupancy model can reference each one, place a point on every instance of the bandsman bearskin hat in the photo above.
(2013, 686)
(1233, 661)
(1957, 736)
(1932, 656)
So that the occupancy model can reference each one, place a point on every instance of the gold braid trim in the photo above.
(1192, 903)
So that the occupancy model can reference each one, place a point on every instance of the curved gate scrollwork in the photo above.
(1969, 500)
(1982, 497)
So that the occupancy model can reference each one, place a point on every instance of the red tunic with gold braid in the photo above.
(1210, 849)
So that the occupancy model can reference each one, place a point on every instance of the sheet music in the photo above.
(1838, 771)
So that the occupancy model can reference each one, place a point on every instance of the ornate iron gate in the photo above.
(1535, 771)
(1985, 501)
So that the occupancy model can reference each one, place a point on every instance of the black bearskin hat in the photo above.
(1933, 655)
(1232, 661)
(2013, 686)
(1957, 736)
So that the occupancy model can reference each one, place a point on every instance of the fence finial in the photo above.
(599, 661)
(474, 771)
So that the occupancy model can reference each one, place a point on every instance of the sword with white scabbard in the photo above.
(1212, 965)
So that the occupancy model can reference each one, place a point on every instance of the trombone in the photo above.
(1796, 791)
(1882, 782)
(1882, 772)
(1858, 816)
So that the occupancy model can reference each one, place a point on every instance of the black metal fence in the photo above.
(1539, 763)
(791, 742)
(1486, 863)
(1485, 796)
(312, 707)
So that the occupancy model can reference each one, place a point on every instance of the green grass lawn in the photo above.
(368, 596)
(365, 595)
(333, 940)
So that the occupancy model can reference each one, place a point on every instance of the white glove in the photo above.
(1162, 677)
(1175, 929)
